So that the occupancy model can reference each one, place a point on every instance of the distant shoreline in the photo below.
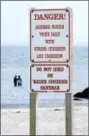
(15, 106)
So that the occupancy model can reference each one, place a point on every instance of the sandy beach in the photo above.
(17, 121)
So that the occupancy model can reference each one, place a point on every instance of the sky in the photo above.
(15, 20)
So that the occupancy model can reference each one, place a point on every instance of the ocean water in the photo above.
(16, 60)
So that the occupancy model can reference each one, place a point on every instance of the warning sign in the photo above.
(50, 77)
(50, 35)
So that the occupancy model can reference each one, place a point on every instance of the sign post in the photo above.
(50, 57)
(33, 97)
(68, 114)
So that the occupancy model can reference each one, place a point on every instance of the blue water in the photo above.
(15, 60)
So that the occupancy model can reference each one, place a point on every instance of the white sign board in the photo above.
(50, 78)
(50, 35)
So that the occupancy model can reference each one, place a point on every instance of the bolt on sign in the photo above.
(50, 77)
(50, 35)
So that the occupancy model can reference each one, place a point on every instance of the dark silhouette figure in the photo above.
(84, 94)
(19, 80)
(15, 80)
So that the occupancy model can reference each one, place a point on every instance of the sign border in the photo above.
(48, 65)
(34, 61)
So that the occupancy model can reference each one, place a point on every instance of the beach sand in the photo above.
(50, 121)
